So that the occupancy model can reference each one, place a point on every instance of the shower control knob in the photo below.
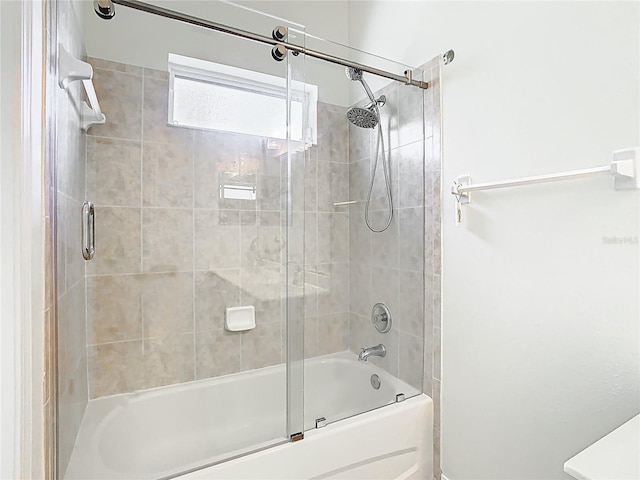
(381, 317)
(279, 52)
(279, 33)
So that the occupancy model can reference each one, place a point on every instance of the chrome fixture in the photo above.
(375, 381)
(104, 9)
(88, 231)
(381, 317)
(369, 117)
(279, 33)
(279, 52)
(321, 422)
(377, 351)
(448, 56)
(400, 397)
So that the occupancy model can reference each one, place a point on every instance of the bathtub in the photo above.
(162, 432)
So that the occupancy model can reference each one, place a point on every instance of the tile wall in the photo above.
(171, 255)
(327, 235)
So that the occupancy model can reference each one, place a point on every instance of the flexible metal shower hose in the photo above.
(387, 182)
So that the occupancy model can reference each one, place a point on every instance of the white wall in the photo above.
(9, 135)
(541, 336)
(143, 39)
(21, 240)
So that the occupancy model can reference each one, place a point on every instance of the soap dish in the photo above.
(238, 319)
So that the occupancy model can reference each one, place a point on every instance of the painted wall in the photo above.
(540, 313)
(9, 303)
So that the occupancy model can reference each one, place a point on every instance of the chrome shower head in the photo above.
(362, 117)
(104, 9)
(353, 73)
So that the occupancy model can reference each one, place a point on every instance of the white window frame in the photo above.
(260, 83)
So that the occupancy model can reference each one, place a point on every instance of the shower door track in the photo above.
(407, 78)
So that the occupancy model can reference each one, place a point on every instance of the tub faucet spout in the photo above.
(377, 351)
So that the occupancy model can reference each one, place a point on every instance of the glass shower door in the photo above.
(365, 241)
(180, 342)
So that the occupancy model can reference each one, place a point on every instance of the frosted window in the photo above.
(214, 96)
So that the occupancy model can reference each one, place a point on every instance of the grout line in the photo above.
(193, 251)
(141, 207)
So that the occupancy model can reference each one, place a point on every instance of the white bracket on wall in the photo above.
(623, 168)
(70, 69)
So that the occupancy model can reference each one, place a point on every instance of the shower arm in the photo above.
(407, 78)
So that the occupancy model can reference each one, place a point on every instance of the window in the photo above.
(213, 96)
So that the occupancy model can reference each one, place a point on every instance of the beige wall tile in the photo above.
(113, 172)
(360, 140)
(167, 239)
(311, 181)
(71, 333)
(217, 353)
(120, 97)
(263, 288)
(360, 301)
(339, 237)
(410, 313)
(169, 360)
(117, 241)
(133, 365)
(71, 407)
(156, 117)
(159, 74)
(115, 66)
(384, 289)
(359, 177)
(270, 195)
(411, 175)
(333, 333)
(217, 239)
(411, 356)
(311, 348)
(335, 176)
(360, 333)
(261, 241)
(114, 310)
(411, 249)
(360, 238)
(116, 368)
(336, 297)
(410, 113)
(214, 293)
(167, 178)
(261, 347)
(167, 303)
(388, 118)
(384, 245)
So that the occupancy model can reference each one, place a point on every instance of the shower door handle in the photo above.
(88, 231)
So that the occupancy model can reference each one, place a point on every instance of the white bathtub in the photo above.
(164, 431)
